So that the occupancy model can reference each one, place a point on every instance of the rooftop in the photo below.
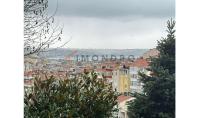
(141, 63)
(122, 98)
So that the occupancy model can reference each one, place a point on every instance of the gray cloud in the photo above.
(114, 8)
(112, 24)
(89, 32)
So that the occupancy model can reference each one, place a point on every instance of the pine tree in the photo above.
(158, 97)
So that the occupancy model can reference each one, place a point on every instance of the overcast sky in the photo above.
(113, 24)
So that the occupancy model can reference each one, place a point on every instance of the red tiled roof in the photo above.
(28, 82)
(107, 69)
(122, 98)
(108, 77)
(140, 63)
(28, 73)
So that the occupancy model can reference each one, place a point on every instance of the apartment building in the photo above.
(139, 65)
(122, 105)
(121, 80)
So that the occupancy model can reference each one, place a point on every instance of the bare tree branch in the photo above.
(39, 30)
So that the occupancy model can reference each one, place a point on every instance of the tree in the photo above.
(85, 97)
(158, 97)
(40, 30)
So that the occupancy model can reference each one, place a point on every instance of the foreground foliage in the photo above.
(84, 97)
(158, 98)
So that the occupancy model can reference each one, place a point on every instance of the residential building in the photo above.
(151, 53)
(122, 105)
(139, 65)
(121, 80)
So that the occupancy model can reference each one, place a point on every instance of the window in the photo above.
(134, 83)
(134, 75)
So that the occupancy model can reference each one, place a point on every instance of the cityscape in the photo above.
(121, 74)
(99, 59)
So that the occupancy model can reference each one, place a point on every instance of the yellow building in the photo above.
(121, 80)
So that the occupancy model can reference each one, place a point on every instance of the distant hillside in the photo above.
(60, 53)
